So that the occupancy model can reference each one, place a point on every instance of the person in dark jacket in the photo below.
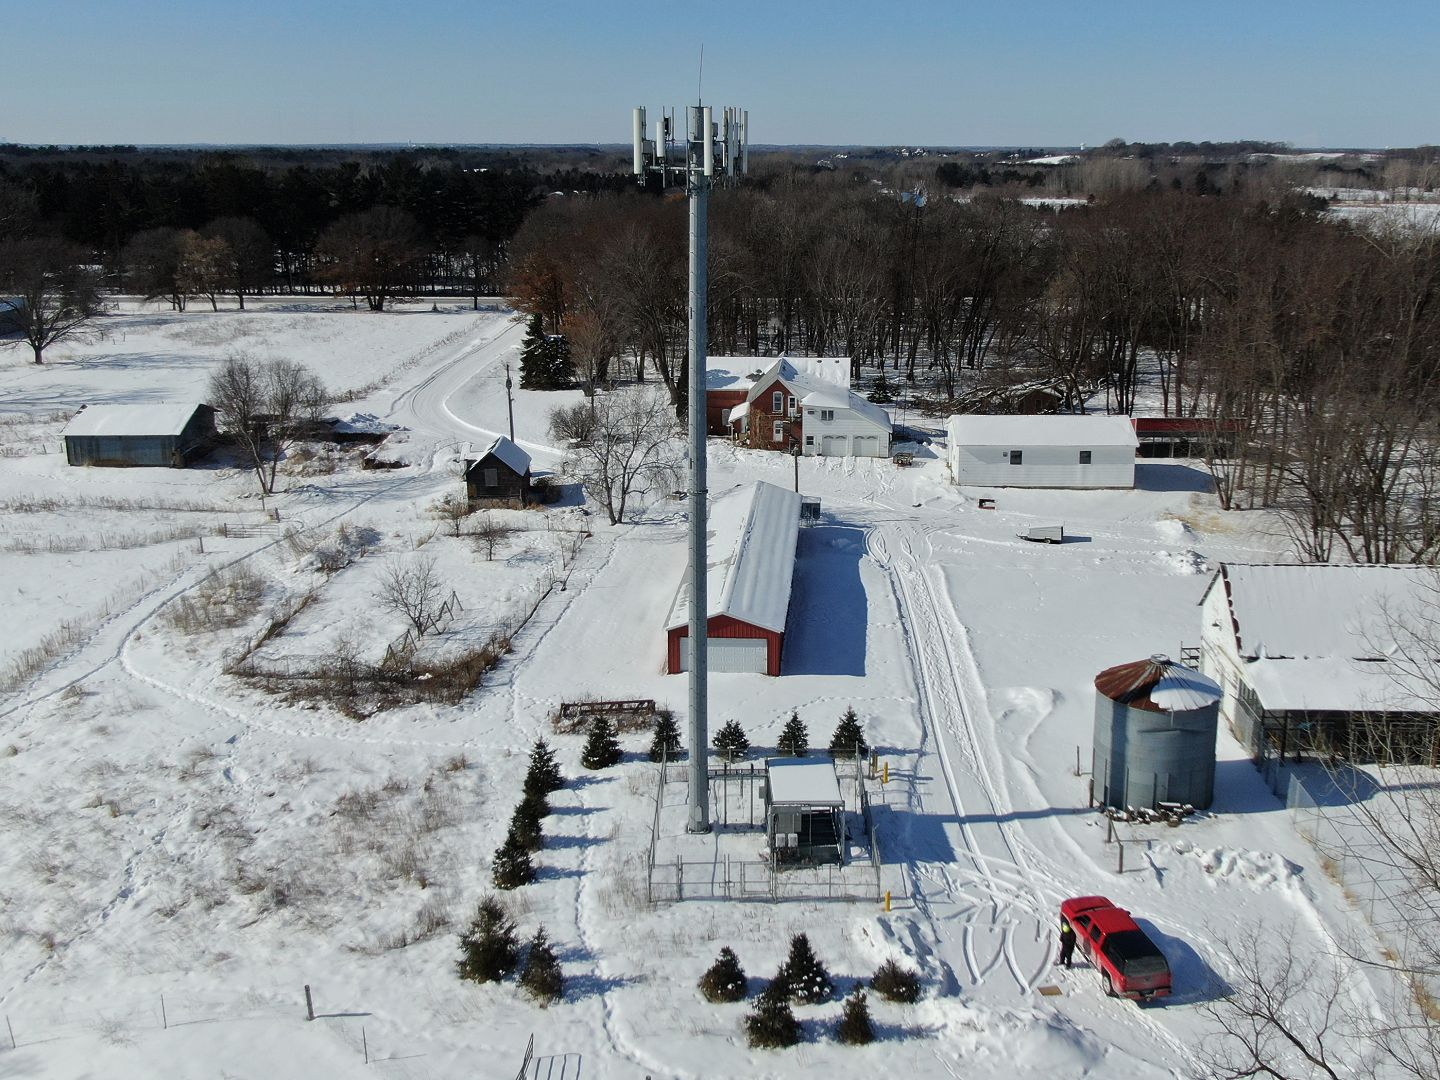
(1067, 942)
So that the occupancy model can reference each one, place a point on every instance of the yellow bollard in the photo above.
(885, 778)
(887, 899)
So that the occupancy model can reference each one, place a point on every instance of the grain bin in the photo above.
(1155, 725)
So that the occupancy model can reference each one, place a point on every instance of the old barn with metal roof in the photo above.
(164, 434)
(753, 531)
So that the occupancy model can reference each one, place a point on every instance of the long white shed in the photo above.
(1042, 451)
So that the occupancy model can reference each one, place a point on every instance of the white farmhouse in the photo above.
(1042, 451)
(1302, 652)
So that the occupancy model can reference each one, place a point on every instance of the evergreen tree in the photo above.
(665, 746)
(732, 741)
(725, 981)
(805, 978)
(535, 363)
(896, 983)
(772, 1024)
(881, 393)
(561, 366)
(602, 748)
(525, 824)
(849, 737)
(541, 977)
(512, 866)
(794, 740)
(855, 1028)
(488, 949)
(544, 775)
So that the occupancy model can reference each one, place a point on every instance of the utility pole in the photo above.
(705, 156)
(509, 403)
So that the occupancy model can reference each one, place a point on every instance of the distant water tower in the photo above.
(1155, 726)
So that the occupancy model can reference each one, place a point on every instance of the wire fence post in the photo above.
(11, 1030)
(164, 1020)
(309, 1004)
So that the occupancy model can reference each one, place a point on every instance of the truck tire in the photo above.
(1109, 986)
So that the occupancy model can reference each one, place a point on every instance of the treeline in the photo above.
(1320, 343)
(128, 212)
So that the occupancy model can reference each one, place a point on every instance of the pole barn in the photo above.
(753, 533)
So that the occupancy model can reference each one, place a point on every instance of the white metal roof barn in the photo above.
(1042, 451)
(751, 545)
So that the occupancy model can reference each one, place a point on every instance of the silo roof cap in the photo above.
(1159, 685)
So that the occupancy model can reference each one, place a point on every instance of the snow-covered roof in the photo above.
(734, 372)
(1322, 637)
(751, 536)
(1010, 431)
(513, 457)
(839, 398)
(739, 411)
(803, 781)
(161, 418)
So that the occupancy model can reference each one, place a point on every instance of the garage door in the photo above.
(732, 654)
(867, 446)
(833, 445)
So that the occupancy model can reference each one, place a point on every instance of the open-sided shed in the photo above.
(804, 812)
(164, 434)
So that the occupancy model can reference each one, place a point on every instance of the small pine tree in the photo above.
(544, 774)
(895, 983)
(794, 740)
(855, 1028)
(535, 356)
(725, 981)
(536, 805)
(881, 393)
(805, 978)
(525, 825)
(512, 866)
(602, 748)
(488, 949)
(666, 744)
(732, 741)
(772, 1024)
(849, 737)
(561, 368)
(541, 977)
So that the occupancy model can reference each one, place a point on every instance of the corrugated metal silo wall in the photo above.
(1143, 757)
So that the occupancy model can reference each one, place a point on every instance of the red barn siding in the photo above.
(716, 404)
(726, 627)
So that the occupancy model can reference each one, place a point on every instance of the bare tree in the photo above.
(375, 254)
(264, 405)
(453, 510)
(57, 294)
(153, 266)
(412, 587)
(629, 449)
(489, 534)
(203, 266)
(250, 255)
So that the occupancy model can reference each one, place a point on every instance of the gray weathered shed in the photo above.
(500, 471)
(163, 434)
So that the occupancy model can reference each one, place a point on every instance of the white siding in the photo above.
(1043, 466)
(848, 428)
(1218, 657)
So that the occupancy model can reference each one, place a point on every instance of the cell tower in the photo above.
(713, 152)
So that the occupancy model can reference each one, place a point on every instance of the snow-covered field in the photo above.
(182, 854)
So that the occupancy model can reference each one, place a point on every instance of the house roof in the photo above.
(514, 458)
(1049, 430)
(161, 418)
(1327, 637)
(734, 372)
(837, 398)
(803, 781)
(751, 536)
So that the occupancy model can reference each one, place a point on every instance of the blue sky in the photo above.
(1028, 72)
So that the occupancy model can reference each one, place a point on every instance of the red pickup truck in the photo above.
(1129, 963)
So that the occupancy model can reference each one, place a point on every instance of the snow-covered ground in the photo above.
(182, 854)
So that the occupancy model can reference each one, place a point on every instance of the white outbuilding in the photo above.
(1042, 451)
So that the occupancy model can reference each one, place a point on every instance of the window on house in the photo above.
(777, 433)
(1017, 457)
(792, 407)
(777, 402)
(492, 478)
(1084, 457)
(809, 440)
(827, 414)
